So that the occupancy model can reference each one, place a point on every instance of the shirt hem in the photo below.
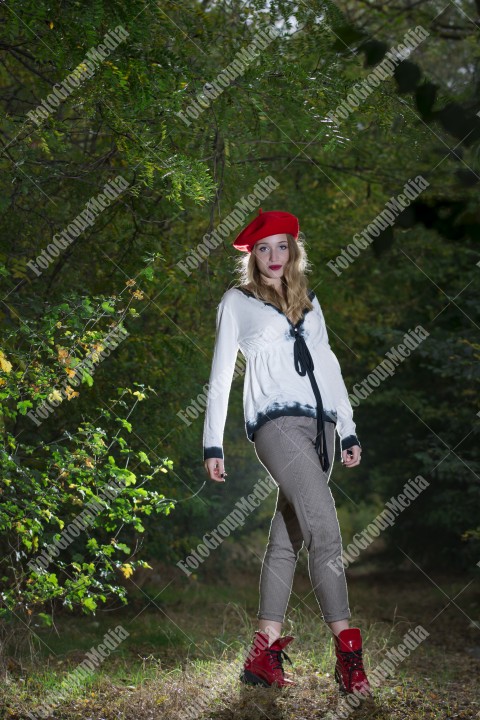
(296, 411)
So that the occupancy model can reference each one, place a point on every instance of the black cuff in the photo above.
(212, 452)
(349, 442)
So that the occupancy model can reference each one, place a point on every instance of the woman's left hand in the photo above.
(350, 460)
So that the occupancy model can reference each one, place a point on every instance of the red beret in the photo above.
(273, 222)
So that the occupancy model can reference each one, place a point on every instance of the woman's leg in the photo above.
(338, 626)
(306, 512)
(271, 628)
(278, 568)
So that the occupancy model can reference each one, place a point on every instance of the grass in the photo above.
(185, 650)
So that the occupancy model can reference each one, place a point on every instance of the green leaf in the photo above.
(89, 603)
(46, 619)
(143, 457)
(124, 423)
(87, 378)
(107, 307)
(23, 406)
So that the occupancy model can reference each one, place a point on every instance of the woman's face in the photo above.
(271, 255)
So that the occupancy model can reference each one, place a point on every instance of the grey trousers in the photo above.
(305, 514)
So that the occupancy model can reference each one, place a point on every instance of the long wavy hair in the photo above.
(294, 297)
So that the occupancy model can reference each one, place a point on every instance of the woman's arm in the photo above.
(221, 375)
(345, 424)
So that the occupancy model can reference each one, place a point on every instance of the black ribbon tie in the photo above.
(304, 365)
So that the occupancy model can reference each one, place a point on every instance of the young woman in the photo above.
(294, 399)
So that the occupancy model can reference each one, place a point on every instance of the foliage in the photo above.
(122, 271)
(47, 484)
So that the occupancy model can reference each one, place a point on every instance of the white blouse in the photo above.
(279, 377)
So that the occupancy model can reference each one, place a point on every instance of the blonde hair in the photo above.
(294, 282)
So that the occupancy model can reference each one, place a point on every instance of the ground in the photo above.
(185, 650)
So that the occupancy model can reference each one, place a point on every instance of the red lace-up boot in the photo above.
(264, 663)
(349, 670)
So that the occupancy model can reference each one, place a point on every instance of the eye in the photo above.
(283, 247)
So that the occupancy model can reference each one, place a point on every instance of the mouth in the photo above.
(274, 267)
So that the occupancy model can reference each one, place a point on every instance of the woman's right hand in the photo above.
(214, 468)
